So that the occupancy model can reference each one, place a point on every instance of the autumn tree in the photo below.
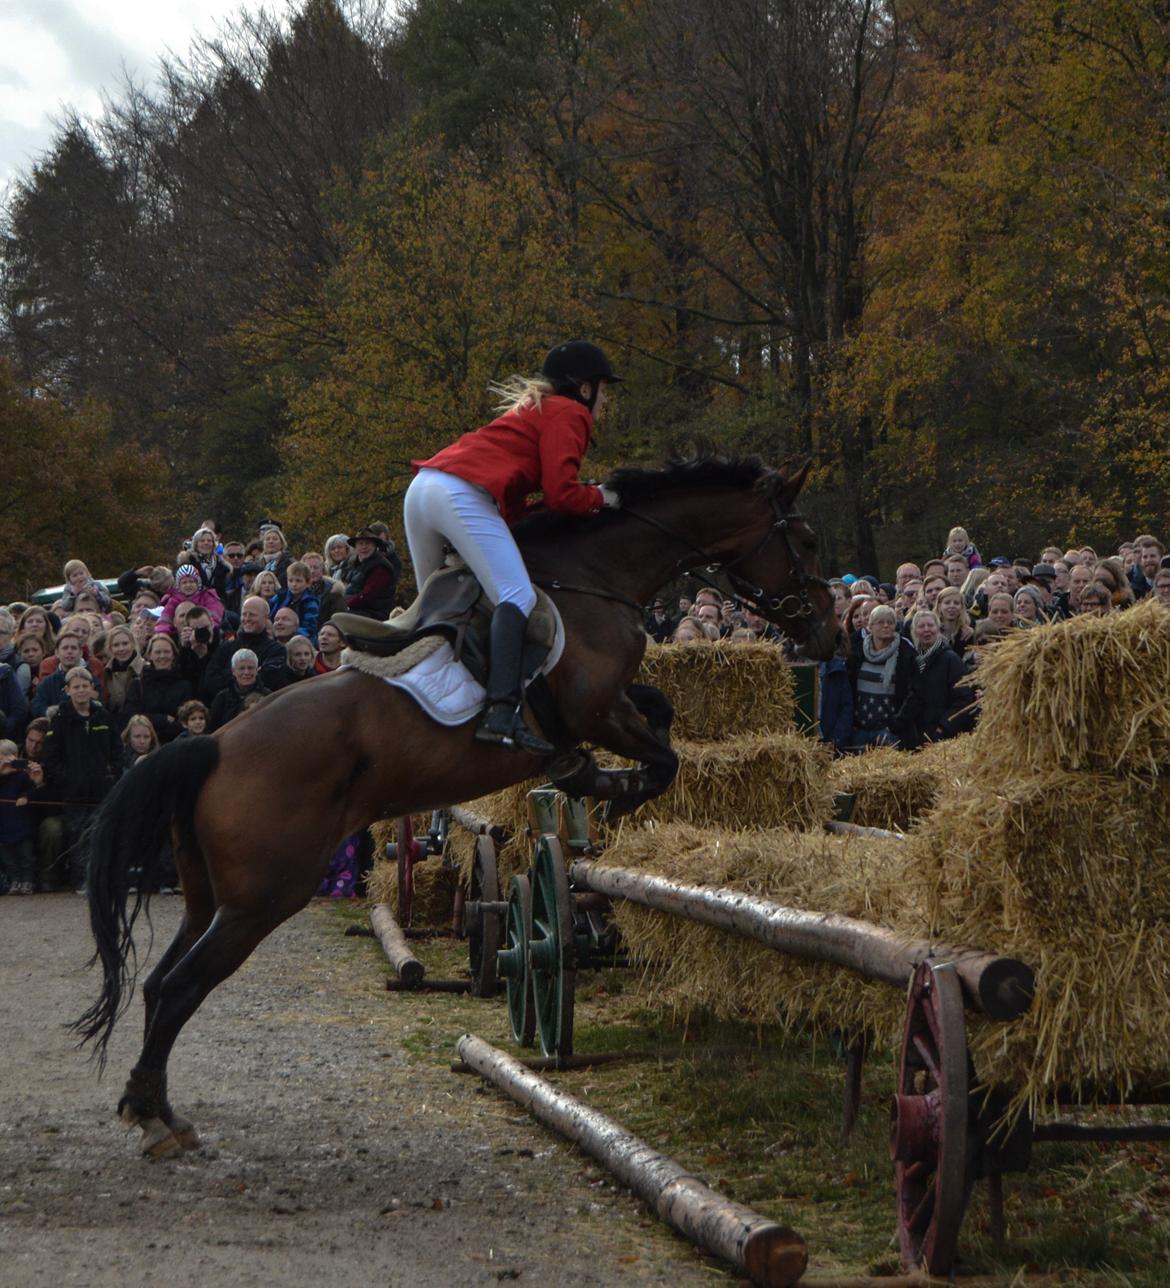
(71, 487)
(452, 276)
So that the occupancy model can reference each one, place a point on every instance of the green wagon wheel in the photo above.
(483, 936)
(552, 952)
(512, 962)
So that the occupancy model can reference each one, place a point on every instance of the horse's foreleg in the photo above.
(637, 728)
(218, 952)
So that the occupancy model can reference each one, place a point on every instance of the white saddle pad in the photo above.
(447, 691)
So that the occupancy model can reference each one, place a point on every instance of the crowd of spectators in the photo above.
(903, 675)
(99, 678)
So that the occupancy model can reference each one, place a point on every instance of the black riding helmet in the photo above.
(574, 363)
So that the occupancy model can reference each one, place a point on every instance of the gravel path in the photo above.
(329, 1157)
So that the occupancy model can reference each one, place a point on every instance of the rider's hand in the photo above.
(610, 499)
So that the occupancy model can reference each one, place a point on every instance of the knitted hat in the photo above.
(186, 570)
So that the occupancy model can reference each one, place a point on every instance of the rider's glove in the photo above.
(610, 499)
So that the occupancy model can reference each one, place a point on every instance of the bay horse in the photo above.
(254, 811)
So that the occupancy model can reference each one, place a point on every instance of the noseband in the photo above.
(798, 605)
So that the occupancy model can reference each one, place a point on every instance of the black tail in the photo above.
(129, 832)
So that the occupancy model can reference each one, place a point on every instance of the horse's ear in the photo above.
(794, 473)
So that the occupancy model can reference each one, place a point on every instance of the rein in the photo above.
(555, 584)
(795, 605)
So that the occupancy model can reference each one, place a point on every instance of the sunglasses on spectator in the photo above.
(233, 554)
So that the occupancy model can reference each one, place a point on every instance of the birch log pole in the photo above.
(770, 1254)
(407, 966)
(1000, 987)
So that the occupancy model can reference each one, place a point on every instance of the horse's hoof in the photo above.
(184, 1132)
(157, 1139)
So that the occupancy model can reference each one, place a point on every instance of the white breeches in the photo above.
(443, 509)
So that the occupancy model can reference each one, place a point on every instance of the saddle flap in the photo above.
(444, 605)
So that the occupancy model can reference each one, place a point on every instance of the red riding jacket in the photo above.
(527, 451)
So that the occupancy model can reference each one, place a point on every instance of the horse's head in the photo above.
(781, 571)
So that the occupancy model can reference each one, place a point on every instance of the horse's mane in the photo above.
(703, 466)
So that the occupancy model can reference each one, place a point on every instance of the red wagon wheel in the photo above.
(408, 856)
(928, 1121)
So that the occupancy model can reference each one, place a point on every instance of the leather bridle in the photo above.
(797, 605)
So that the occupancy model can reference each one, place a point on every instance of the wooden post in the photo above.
(769, 1254)
(408, 967)
(999, 987)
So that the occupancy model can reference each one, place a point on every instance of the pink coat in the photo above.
(205, 598)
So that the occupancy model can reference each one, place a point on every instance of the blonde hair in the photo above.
(74, 565)
(517, 392)
(275, 582)
(140, 722)
(952, 592)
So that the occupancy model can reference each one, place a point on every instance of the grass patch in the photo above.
(756, 1112)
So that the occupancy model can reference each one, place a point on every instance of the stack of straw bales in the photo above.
(1055, 847)
(741, 762)
(893, 790)
(1049, 841)
(733, 977)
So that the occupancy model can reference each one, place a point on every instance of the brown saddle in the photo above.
(451, 603)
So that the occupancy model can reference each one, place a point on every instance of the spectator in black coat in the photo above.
(244, 687)
(83, 759)
(254, 634)
(199, 640)
(939, 701)
(160, 690)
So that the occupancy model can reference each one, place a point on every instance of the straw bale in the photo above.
(754, 781)
(733, 976)
(1071, 873)
(1088, 693)
(722, 690)
(893, 789)
(434, 890)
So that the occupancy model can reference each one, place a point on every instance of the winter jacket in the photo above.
(306, 606)
(330, 598)
(157, 695)
(100, 593)
(83, 754)
(193, 666)
(278, 564)
(218, 674)
(836, 713)
(13, 705)
(903, 674)
(203, 597)
(934, 708)
(213, 572)
(525, 451)
(17, 823)
(229, 703)
(119, 679)
(371, 586)
(286, 676)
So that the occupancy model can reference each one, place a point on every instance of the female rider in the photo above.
(470, 494)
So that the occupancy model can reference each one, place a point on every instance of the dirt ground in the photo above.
(328, 1156)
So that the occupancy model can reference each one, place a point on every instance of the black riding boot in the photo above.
(503, 721)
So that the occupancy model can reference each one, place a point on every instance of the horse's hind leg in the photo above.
(176, 995)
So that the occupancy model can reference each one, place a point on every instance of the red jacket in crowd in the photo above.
(525, 451)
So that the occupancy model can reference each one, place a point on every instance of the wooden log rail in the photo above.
(999, 987)
(770, 1254)
(406, 965)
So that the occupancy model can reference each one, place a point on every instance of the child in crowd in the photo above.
(83, 759)
(300, 662)
(67, 655)
(193, 716)
(79, 580)
(189, 589)
(18, 823)
(138, 739)
(300, 599)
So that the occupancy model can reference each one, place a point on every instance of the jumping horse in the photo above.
(254, 811)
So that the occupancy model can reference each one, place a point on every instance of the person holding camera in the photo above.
(199, 637)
